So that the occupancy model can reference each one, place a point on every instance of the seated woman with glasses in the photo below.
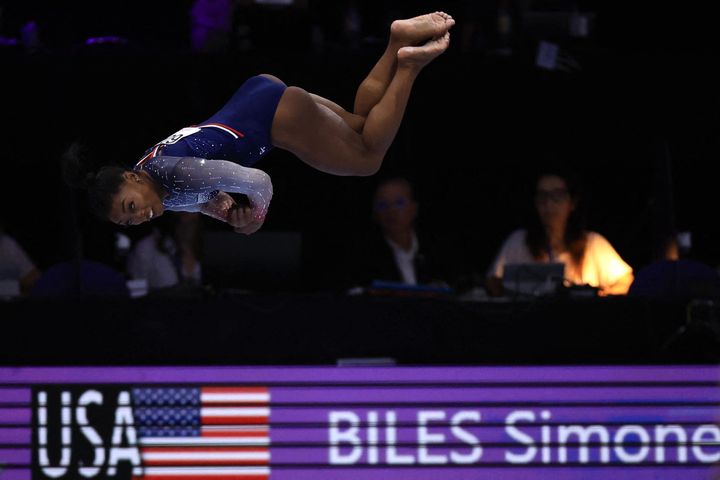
(555, 234)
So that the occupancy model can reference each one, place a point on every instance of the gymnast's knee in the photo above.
(369, 166)
(272, 78)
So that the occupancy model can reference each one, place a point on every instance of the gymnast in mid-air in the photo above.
(195, 168)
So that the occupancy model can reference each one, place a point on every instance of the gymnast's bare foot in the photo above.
(418, 57)
(418, 29)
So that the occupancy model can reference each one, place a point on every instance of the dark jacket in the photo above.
(373, 259)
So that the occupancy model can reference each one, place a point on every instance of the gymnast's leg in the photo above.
(403, 33)
(320, 136)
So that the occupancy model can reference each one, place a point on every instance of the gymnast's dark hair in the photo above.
(102, 183)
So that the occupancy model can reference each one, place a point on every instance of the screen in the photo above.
(360, 423)
(533, 279)
(263, 260)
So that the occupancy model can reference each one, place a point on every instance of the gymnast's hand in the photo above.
(219, 207)
(244, 219)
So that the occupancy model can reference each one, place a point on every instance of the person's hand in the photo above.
(219, 207)
(244, 219)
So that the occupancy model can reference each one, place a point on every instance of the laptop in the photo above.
(261, 261)
(533, 279)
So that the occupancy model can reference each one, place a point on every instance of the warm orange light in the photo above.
(602, 268)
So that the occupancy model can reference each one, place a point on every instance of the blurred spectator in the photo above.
(80, 278)
(188, 245)
(169, 256)
(150, 259)
(672, 277)
(15, 264)
(396, 252)
(221, 26)
(211, 25)
(556, 234)
(56, 26)
(346, 24)
(478, 23)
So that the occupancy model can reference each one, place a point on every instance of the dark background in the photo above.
(637, 117)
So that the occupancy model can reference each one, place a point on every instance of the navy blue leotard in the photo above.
(195, 163)
(239, 132)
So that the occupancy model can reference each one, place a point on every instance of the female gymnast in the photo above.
(193, 169)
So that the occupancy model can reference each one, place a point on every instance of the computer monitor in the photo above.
(533, 279)
(261, 261)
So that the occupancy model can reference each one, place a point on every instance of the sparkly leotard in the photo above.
(239, 132)
(194, 164)
(192, 181)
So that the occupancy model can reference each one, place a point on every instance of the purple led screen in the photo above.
(259, 423)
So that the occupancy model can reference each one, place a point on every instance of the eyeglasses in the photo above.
(557, 195)
(383, 205)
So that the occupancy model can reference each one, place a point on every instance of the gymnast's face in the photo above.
(137, 201)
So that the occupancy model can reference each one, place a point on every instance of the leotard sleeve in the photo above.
(204, 178)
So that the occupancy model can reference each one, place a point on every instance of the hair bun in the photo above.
(90, 179)
(75, 163)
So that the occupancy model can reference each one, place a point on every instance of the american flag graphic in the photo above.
(218, 433)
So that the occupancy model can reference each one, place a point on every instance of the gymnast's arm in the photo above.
(198, 175)
(230, 177)
(224, 208)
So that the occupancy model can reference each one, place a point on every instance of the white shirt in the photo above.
(146, 261)
(14, 262)
(602, 266)
(405, 259)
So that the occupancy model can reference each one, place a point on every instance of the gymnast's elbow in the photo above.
(264, 182)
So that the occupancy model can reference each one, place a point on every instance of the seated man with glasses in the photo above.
(395, 252)
(555, 234)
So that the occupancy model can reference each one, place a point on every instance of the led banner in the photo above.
(360, 423)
